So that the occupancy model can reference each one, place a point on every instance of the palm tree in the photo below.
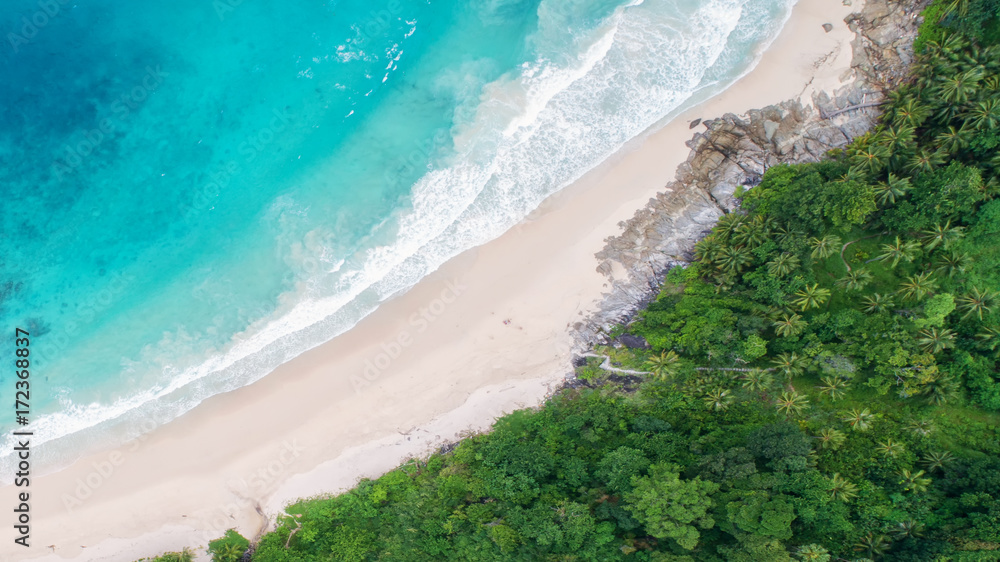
(830, 438)
(855, 280)
(887, 192)
(783, 264)
(992, 83)
(917, 286)
(896, 139)
(911, 113)
(724, 283)
(909, 529)
(951, 263)
(757, 380)
(936, 340)
(941, 235)
(940, 389)
(985, 115)
(877, 303)
(871, 158)
(664, 365)
(734, 259)
(991, 187)
(789, 326)
(923, 161)
(859, 420)
(718, 399)
(707, 249)
(753, 233)
(872, 544)
(813, 296)
(825, 247)
(230, 553)
(976, 302)
(989, 339)
(890, 447)
(790, 365)
(792, 402)
(853, 174)
(813, 553)
(899, 251)
(922, 428)
(956, 89)
(841, 489)
(914, 481)
(782, 233)
(959, 7)
(937, 460)
(834, 387)
(954, 140)
(728, 224)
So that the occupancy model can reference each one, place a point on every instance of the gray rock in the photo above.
(736, 150)
(633, 342)
(770, 127)
(828, 27)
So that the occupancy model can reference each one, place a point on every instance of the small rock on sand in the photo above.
(828, 27)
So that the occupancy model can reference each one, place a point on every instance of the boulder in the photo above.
(633, 342)
(736, 150)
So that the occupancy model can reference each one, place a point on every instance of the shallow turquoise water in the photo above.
(197, 191)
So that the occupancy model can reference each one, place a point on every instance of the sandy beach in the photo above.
(488, 333)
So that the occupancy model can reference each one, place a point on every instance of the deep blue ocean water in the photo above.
(196, 191)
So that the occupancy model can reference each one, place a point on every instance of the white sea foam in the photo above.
(530, 134)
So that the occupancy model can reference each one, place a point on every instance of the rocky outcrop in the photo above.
(735, 151)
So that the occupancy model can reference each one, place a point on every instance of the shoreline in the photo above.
(317, 424)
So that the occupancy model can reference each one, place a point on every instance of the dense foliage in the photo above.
(823, 381)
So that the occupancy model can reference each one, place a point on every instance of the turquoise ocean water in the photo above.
(196, 191)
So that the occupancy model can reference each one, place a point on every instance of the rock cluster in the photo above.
(736, 150)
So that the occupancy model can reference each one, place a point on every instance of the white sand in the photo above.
(306, 430)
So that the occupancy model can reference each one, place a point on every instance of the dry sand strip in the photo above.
(441, 358)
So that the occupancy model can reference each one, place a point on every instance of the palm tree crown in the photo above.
(977, 302)
(792, 402)
(899, 251)
(664, 365)
(917, 286)
(789, 325)
(877, 303)
(855, 280)
(813, 296)
(941, 235)
(935, 340)
(783, 264)
(825, 247)
(859, 420)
